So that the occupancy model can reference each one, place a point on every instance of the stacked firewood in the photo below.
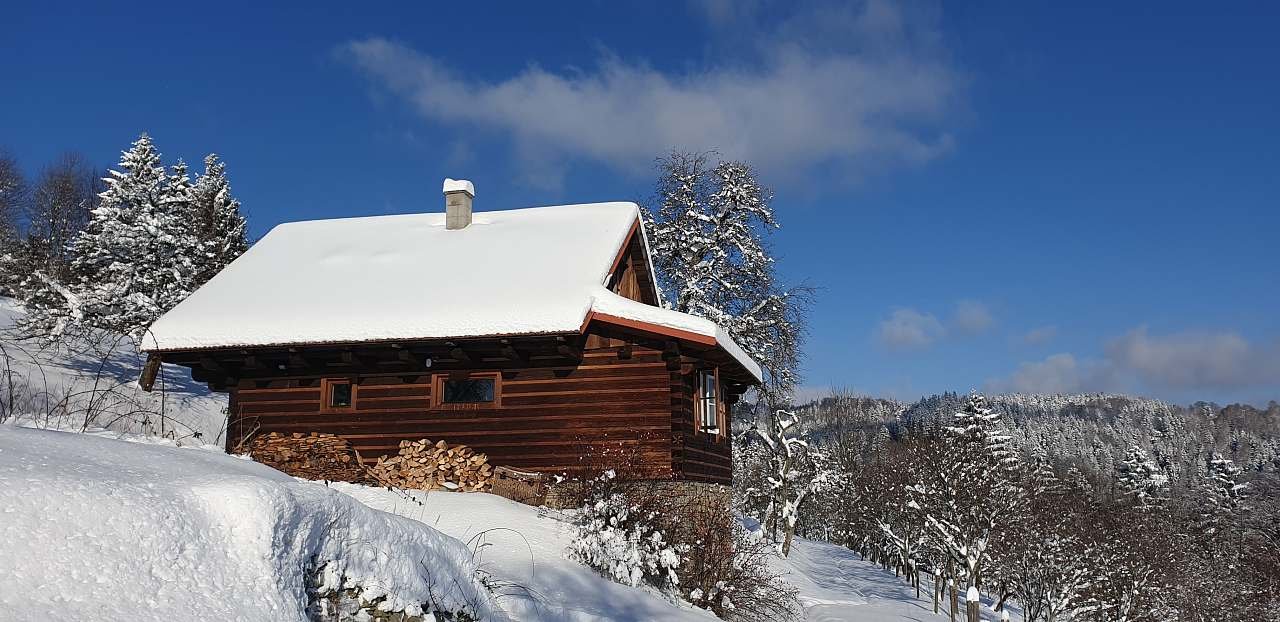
(421, 464)
(310, 456)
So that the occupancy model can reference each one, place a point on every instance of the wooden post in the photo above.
(149, 372)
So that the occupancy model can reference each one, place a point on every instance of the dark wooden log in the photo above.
(149, 372)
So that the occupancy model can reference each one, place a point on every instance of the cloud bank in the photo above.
(1139, 361)
(849, 87)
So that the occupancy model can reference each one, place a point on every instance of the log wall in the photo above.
(621, 407)
(697, 456)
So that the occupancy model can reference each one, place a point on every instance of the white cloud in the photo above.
(1192, 363)
(1195, 360)
(1057, 373)
(850, 87)
(907, 329)
(971, 317)
(1039, 336)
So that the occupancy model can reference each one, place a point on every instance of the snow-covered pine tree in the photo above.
(979, 490)
(1140, 479)
(217, 219)
(708, 240)
(1224, 493)
(136, 258)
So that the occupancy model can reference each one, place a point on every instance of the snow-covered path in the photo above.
(837, 586)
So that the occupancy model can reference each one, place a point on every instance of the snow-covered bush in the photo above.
(624, 541)
(727, 569)
(683, 541)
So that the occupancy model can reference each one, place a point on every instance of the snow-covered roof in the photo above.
(527, 271)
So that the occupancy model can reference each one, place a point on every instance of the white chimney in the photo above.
(458, 194)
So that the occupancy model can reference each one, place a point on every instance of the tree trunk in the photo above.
(955, 599)
(786, 543)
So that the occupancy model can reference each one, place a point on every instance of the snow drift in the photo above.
(100, 529)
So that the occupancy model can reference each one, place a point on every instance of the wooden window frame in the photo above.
(326, 386)
(437, 390)
(699, 403)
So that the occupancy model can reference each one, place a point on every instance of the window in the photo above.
(708, 404)
(337, 393)
(466, 390)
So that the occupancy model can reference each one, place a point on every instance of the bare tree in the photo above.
(61, 202)
(11, 190)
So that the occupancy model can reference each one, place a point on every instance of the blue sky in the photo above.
(999, 197)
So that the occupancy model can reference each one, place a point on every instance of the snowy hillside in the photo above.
(100, 529)
(148, 531)
(90, 381)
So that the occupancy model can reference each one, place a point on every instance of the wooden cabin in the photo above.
(534, 335)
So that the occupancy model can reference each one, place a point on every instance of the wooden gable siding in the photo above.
(631, 277)
(550, 419)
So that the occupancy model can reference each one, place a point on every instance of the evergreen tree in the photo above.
(708, 241)
(978, 491)
(1225, 495)
(217, 219)
(137, 257)
(1140, 479)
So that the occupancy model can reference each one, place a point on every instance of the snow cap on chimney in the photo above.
(458, 194)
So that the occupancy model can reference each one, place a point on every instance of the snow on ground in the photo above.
(82, 385)
(524, 548)
(100, 529)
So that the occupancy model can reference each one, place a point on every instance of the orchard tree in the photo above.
(794, 471)
(708, 234)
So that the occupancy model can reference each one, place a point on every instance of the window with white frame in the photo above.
(708, 405)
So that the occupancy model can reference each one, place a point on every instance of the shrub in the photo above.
(689, 546)
(624, 541)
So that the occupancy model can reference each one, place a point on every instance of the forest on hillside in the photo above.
(1083, 507)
